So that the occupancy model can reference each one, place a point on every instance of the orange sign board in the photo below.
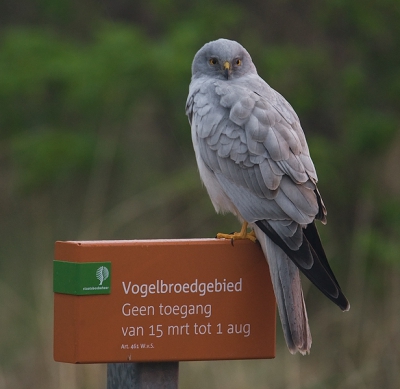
(166, 300)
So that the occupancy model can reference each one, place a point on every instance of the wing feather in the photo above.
(258, 152)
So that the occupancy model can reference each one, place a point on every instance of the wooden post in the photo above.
(148, 375)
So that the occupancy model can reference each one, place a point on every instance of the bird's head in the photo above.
(222, 59)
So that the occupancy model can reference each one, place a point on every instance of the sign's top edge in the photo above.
(142, 242)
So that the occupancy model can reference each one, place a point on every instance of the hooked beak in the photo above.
(227, 69)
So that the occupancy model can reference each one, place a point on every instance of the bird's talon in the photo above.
(243, 234)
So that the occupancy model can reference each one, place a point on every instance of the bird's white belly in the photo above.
(220, 200)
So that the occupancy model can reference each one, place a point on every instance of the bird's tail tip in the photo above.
(301, 351)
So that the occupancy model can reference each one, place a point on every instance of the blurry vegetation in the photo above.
(94, 144)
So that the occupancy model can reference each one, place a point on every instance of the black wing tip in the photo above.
(341, 301)
(312, 245)
(338, 298)
(345, 308)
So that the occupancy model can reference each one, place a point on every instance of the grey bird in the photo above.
(254, 161)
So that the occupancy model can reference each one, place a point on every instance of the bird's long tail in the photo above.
(289, 295)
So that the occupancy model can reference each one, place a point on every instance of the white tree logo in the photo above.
(102, 274)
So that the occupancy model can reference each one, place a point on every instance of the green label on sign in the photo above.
(82, 278)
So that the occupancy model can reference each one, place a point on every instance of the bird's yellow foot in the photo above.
(243, 234)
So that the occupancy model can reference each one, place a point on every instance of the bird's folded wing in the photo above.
(258, 154)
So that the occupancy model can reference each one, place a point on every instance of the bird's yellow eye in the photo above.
(238, 62)
(213, 61)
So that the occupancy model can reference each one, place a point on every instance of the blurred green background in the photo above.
(95, 144)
